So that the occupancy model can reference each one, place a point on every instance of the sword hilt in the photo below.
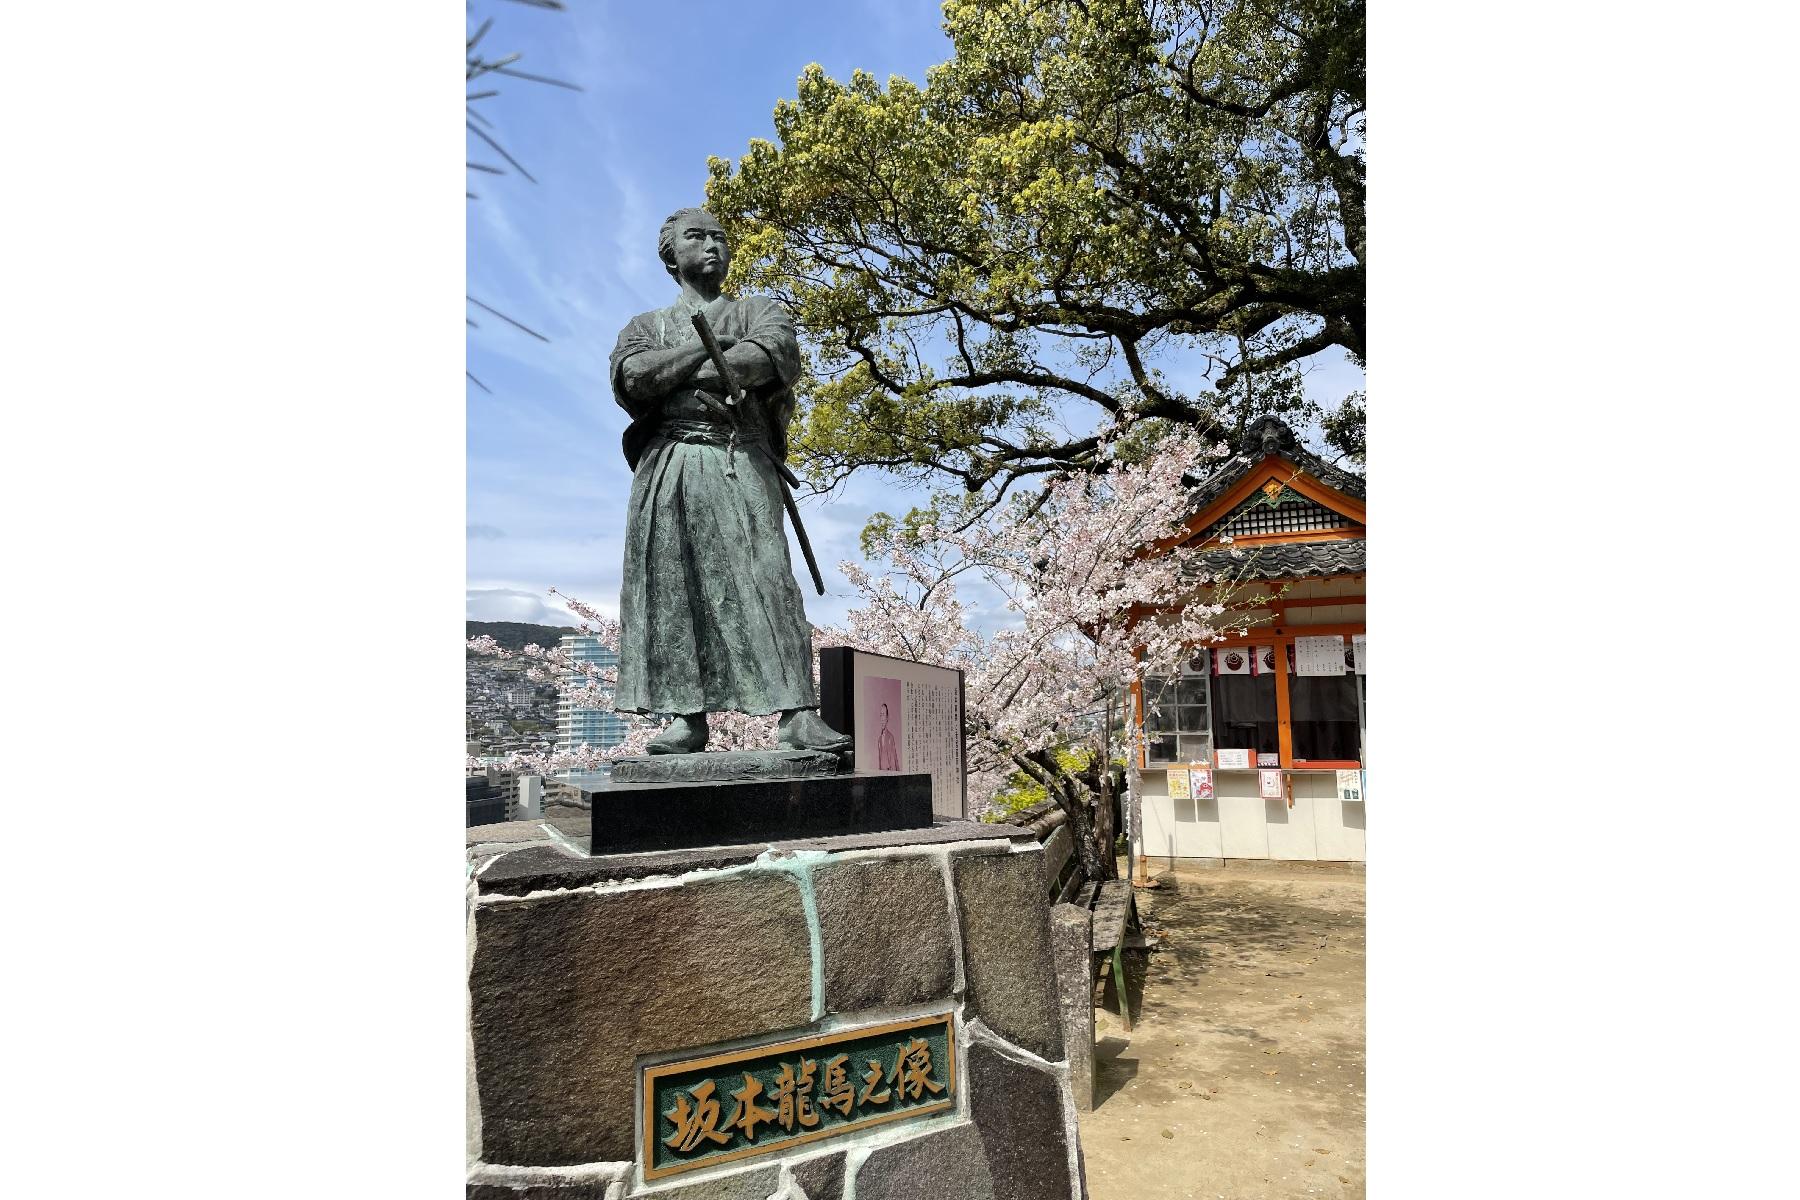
(734, 394)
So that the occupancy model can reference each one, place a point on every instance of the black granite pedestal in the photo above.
(629, 817)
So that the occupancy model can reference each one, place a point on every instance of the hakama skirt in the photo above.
(711, 617)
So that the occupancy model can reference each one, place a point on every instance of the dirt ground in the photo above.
(1242, 1077)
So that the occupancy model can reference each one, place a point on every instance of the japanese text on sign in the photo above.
(933, 741)
(730, 1106)
(1322, 655)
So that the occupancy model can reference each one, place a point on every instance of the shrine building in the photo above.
(1255, 746)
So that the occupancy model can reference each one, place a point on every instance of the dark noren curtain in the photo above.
(1323, 710)
(1244, 713)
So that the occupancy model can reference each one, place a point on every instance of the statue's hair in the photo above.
(665, 239)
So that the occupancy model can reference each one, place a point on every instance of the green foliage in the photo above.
(1344, 429)
(943, 511)
(1086, 192)
(1022, 792)
(515, 635)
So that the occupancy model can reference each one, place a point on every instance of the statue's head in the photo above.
(692, 243)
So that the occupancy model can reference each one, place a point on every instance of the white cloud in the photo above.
(510, 604)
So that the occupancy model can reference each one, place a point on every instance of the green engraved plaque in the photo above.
(703, 1111)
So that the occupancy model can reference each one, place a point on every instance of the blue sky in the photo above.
(574, 257)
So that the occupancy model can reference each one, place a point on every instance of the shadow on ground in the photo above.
(1111, 1072)
(1243, 1073)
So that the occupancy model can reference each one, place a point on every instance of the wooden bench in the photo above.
(1112, 909)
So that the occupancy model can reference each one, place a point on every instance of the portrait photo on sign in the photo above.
(880, 734)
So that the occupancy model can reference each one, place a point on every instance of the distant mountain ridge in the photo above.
(514, 635)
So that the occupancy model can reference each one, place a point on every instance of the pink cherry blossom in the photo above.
(588, 685)
(1092, 611)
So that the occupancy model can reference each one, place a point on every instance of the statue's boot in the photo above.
(805, 729)
(685, 735)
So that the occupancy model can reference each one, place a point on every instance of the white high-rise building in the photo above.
(588, 726)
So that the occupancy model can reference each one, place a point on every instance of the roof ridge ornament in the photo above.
(1261, 438)
(1271, 434)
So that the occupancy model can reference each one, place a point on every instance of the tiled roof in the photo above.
(1271, 435)
(1290, 560)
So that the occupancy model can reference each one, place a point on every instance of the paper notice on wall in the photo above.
(1319, 655)
(1350, 786)
(1232, 660)
(1266, 660)
(1269, 783)
(1178, 784)
(1359, 652)
(1233, 760)
(1202, 784)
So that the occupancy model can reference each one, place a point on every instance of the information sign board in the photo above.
(906, 717)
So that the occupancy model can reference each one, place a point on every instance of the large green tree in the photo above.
(1087, 190)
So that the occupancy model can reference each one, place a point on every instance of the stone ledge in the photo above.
(504, 831)
(547, 867)
(936, 835)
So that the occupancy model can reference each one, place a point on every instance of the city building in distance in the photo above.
(576, 727)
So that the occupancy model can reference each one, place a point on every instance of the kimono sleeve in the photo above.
(639, 335)
(769, 327)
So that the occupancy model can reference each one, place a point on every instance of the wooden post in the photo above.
(1284, 727)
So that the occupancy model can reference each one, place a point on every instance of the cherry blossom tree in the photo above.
(1096, 597)
(589, 685)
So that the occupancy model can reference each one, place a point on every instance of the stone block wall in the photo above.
(1072, 946)
(580, 968)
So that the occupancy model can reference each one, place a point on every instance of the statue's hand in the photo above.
(706, 378)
